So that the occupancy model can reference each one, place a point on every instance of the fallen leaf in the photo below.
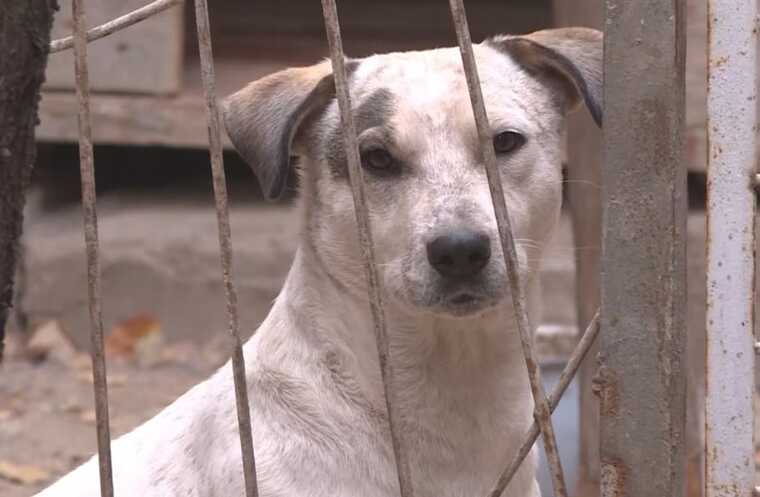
(22, 474)
(138, 338)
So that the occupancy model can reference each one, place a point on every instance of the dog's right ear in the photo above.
(263, 119)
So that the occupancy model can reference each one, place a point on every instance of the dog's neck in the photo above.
(425, 349)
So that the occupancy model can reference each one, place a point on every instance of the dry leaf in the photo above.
(138, 338)
(22, 474)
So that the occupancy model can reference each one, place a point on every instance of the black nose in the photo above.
(460, 253)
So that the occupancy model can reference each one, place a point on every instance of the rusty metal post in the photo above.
(337, 57)
(225, 246)
(642, 359)
(731, 132)
(87, 172)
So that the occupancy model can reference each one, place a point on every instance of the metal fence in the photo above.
(641, 376)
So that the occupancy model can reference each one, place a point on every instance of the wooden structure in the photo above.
(156, 99)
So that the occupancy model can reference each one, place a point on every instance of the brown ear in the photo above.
(263, 119)
(575, 55)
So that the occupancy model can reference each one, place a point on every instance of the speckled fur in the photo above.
(319, 422)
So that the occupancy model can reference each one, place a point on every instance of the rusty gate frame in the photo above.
(636, 30)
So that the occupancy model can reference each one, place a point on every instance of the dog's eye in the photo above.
(378, 160)
(507, 141)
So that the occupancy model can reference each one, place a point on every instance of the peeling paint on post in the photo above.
(643, 279)
(731, 124)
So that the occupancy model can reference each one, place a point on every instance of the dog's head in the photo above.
(430, 208)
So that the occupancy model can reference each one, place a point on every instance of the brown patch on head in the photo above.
(571, 57)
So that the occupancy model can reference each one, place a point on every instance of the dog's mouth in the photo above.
(465, 303)
(464, 298)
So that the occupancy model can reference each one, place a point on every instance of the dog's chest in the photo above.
(461, 425)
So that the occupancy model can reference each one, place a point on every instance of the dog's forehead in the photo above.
(433, 83)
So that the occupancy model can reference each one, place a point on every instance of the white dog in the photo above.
(319, 422)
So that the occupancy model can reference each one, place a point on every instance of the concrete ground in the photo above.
(160, 266)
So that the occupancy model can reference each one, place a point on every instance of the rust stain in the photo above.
(605, 386)
(613, 478)
(720, 61)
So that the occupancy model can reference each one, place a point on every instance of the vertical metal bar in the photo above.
(225, 246)
(731, 133)
(643, 341)
(576, 359)
(542, 411)
(90, 218)
(332, 27)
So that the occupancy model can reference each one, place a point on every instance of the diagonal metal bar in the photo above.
(90, 218)
(337, 56)
(225, 246)
(542, 412)
(575, 361)
(117, 24)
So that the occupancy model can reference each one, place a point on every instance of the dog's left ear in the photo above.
(264, 119)
(574, 55)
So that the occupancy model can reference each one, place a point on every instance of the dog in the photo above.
(320, 426)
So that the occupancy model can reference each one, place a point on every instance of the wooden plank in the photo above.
(144, 58)
(127, 120)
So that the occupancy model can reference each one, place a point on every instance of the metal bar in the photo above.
(225, 246)
(542, 412)
(568, 373)
(731, 133)
(117, 24)
(332, 27)
(642, 380)
(90, 219)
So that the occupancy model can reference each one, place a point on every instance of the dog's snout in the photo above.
(460, 253)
